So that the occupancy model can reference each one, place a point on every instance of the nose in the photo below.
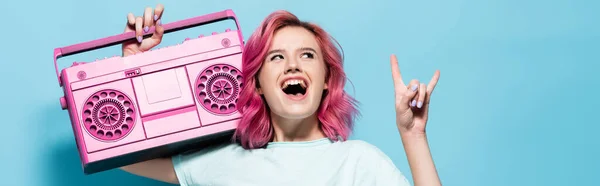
(292, 66)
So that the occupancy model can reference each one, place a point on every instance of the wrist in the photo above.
(411, 134)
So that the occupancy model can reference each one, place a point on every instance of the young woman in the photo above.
(296, 117)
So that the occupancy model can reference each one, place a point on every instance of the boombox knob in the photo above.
(187, 39)
(214, 33)
(201, 35)
(227, 30)
(63, 103)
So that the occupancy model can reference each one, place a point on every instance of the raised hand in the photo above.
(412, 100)
(141, 25)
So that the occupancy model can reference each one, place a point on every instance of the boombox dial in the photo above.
(108, 115)
(218, 87)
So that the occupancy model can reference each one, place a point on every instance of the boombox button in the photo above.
(63, 103)
(75, 63)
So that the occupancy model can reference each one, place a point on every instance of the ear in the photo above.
(258, 89)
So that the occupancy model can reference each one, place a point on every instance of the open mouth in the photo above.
(294, 87)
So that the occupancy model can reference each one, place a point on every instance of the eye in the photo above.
(276, 57)
(308, 55)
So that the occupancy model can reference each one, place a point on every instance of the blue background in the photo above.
(516, 104)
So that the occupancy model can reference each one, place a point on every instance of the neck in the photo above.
(306, 129)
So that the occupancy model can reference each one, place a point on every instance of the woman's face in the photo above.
(292, 77)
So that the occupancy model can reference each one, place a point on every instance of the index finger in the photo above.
(433, 82)
(130, 19)
(396, 71)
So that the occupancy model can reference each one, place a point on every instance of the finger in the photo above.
(410, 94)
(159, 30)
(155, 39)
(130, 22)
(148, 20)
(130, 19)
(433, 82)
(138, 28)
(158, 11)
(396, 75)
(158, 34)
(421, 95)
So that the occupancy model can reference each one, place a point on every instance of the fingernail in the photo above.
(146, 29)
(155, 17)
(139, 38)
(414, 88)
(419, 104)
(159, 23)
(413, 103)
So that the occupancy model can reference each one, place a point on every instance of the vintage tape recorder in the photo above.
(125, 110)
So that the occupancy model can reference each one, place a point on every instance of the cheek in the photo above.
(322, 71)
(266, 79)
(317, 77)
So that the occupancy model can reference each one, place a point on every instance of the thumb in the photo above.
(407, 96)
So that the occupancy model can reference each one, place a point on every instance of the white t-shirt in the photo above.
(312, 163)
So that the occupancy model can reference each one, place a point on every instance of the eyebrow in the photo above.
(281, 50)
(308, 48)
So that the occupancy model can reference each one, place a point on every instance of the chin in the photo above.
(299, 107)
(296, 112)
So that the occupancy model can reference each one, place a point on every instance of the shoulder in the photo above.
(206, 156)
(214, 150)
(374, 163)
(366, 154)
(364, 148)
(196, 166)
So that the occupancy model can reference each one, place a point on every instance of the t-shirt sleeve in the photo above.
(389, 174)
(192, 168)
(382, 169)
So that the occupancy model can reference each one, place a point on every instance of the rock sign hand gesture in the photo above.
(412, 100)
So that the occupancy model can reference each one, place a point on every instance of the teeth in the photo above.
(294, 82)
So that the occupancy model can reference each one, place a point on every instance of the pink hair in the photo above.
(337, 109)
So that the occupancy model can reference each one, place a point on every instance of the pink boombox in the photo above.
(125, 110)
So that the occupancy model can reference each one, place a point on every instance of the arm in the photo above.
(158, 169)
(419, 159)
(412, 108)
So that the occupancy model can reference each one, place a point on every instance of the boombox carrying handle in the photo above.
(118, 39)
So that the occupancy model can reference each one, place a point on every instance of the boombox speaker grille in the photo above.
(218, 87)
(109, 115)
